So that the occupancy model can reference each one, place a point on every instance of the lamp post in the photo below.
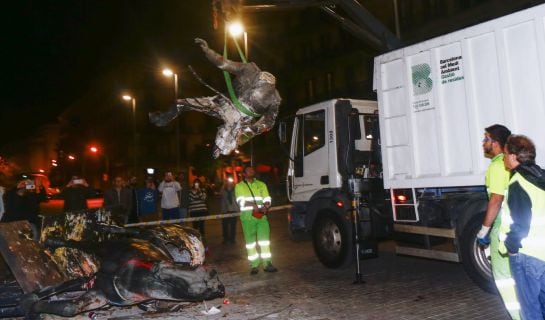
(133, 105)
(236, 29)
(169, 73)
(100, 153)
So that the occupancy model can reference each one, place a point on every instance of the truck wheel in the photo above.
(475, 260)
(332, 240)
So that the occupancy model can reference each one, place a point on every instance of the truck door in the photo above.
(310, 154)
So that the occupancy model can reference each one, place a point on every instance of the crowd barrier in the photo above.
(190, 219)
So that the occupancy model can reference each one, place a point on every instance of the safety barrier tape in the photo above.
(209, 217)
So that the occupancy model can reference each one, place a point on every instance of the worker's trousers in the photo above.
(502, 273)
(256, 233)
(529, 275)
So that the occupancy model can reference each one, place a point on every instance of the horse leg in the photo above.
(208, 105)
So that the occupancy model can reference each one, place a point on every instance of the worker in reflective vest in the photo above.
(496, 180)
(254, 200)
(522, 231)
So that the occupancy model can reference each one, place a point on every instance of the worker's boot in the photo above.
(270, 268)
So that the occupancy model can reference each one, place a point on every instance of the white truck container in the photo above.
(435, 99)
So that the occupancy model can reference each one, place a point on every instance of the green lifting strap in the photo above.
(227, 77)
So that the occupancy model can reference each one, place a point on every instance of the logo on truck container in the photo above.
(422, 82)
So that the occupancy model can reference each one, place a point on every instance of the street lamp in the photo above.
(235, 30)
(99, 153)
(169, 73)
(133, 100)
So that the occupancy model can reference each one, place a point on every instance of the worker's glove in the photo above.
(202, 43)
(483, 239)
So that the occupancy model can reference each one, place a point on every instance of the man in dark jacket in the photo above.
(23, 203)
(119, 198)
(253, 113)
(183, 194)
(522, 231)
(75, 194)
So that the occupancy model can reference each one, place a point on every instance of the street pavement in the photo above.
(396, 287)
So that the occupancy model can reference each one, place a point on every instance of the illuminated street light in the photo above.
(94, 152)
(133, 101)
(71, 157)
(169, 73)
(235, 28)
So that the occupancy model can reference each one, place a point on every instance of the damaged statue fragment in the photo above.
(132, 271)
(256, 113)
(103, 264)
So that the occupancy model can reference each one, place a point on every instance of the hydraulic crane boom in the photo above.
(356, 19)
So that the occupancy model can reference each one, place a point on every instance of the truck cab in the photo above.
(334, 144)
(336, 157)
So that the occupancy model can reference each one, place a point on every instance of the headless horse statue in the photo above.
(132, 271)
(256, 92)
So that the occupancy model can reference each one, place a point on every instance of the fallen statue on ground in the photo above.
(253, 114)
(132, 271)
(104, 264)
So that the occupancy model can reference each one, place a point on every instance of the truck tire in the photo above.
(475, 260)
(332, 240)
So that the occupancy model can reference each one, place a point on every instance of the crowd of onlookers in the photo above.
(170, 198)
(131, 201)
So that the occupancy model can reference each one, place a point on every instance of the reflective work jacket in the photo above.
(523, 219)
(243, 194)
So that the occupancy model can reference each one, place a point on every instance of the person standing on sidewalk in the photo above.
(75, 194)
(183, 194)
(523, 224)
(497, 180)
(254, 200)
(146, 200)
(197, 205)
(23, 203)
(170, 203)
(119, 199)
(229, 205)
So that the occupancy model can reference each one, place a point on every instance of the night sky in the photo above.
(56, 52)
